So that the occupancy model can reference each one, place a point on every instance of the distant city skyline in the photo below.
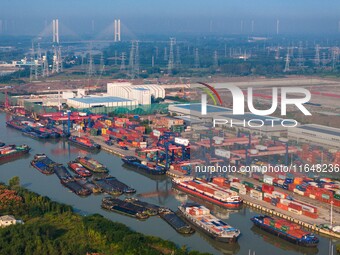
(175, 17)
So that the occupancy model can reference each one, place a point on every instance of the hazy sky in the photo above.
(171, 16)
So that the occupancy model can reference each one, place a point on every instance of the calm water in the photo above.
(153, 190)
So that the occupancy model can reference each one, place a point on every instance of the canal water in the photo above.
(155, 190)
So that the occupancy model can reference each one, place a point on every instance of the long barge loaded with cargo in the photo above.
(124, 207)
(176, 222)
(113, 186)
(12, 151)
(143, 166)
(84, 143)
(286, 230)
(91, 164)
(79, 169)
(201, 217)
(43, 164)
(209, 191)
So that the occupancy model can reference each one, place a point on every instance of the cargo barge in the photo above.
(201, 217)
(79, 169)
(176, 222)
(43, 164)
(50, 132)
(151, 209)
(12, 152)
(286, 230)
(91, 164)
(16, 125)
(84, 143)
(88, 184)
(35, 135)
(61, 172)
(113, 186)
(123, 207)
(75, 187)
(138, 165)
(209, 192)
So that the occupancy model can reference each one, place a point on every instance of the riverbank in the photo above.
(54, 228)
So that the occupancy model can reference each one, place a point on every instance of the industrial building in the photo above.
(101, 101)
(194, 109)
(141, 93)
(328, 137)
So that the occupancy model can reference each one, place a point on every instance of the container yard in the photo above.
(168, 146)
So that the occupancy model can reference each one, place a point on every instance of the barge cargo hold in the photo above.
(176, 222)
(209, 192)
(126, 208)
(84, 143)
(91, 164)
(11, 152)
(113, 186)
(88, 184)
(135, 163)
(75, 187)
(61, 172)
(79, 169)
(286, 230)
(201, 217)
(151, 209)
(35, 135)
(43, 164)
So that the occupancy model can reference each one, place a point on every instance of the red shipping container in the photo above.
(310, 215)
(295, 207)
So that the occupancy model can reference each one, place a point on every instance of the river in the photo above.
(150, 189)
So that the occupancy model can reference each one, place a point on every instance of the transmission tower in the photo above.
(165, 54)
(60, 62)
(90, 67)
(287, 62)
(171, 55)
(178, 57)
(300, 59)
(215, 64)
(317, 55)
(137, 68)
(102, 61)
(197, 59)
(45, 66)
(132, 59)
(122, 64)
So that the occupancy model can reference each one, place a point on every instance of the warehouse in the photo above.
(97, 101)
(142, 93)
(194, 109)
(328, 137)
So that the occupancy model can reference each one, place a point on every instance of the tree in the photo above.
(14, 182)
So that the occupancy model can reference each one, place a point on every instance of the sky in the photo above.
(171, 16)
